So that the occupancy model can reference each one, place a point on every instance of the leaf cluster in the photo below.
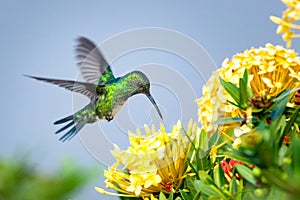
(20, 180)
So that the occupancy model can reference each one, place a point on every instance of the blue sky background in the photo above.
(37, 38)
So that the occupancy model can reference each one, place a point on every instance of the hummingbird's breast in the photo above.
(111, 101)
(116, 108)
(119, 100)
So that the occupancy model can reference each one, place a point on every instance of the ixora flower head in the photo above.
(154, 163)
(287, 22)
(272, 69)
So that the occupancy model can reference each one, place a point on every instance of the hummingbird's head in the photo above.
(139, 84)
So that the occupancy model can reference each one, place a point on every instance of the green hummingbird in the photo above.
(107, 94)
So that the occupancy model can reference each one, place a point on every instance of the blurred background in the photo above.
(37, 38)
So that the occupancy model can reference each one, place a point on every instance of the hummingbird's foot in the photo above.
(109, 117)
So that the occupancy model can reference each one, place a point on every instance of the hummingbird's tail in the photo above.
(77, 121)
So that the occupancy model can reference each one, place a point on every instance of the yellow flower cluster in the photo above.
(287, 22)
(272, 69)
(154, 162)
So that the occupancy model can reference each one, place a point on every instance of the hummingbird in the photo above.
(107, 93)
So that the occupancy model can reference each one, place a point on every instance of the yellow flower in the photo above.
(155, 162)
(238, 131)
(287, 21)
(272, 69)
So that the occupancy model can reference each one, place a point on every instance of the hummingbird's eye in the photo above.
(139, 84)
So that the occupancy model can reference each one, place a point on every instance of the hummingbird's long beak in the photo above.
(154, 103)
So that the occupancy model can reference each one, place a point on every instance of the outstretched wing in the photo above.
(93, 65)
(88, 89)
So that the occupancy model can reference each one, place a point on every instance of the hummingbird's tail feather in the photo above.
(73, 131)
(63, 120)
(65, 127)
(76, 122)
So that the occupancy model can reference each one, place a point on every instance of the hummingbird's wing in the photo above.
(87, 89)
(93, 66)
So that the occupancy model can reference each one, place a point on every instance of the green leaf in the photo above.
(189, 183)
(219, 192)
(203, 140)
(237, 155)
(203, 160)
(208, 190)
(246, 173)
(240, 190)
(275, 193)
(295, 148)
(205, 178)
(279, 108)
(233, 187)
(219, 177)
(277, 100)
(274, 177)
(291, 121)
(281, 154)
(162, 196)
(200, 160)
(245, 77)
(256, 110)
(185, 196)
(233, 103)
(280, 97)
(213, 140)
(244, 99)
(171, 196)
(198, 184)
(284, 94)
(214, 198)
(228, 120)
(232, 89)
(197, 196)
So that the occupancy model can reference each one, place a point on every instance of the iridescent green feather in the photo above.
(106, 76)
